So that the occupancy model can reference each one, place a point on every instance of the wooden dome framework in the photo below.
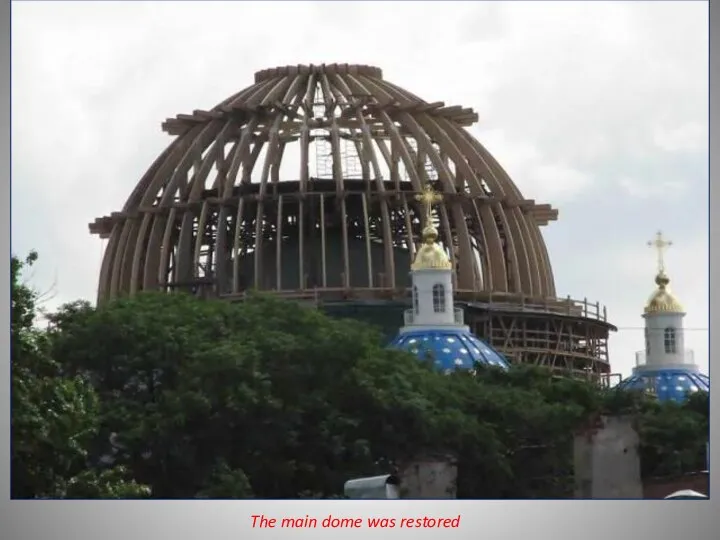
(304, 183)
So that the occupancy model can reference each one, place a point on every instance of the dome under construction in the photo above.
(305, 184)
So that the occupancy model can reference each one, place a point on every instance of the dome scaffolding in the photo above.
(304, 184)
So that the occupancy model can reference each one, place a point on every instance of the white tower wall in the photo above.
(657, 354)
(423, 283)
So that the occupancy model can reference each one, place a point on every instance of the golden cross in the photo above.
(427, 197)
(660, 245)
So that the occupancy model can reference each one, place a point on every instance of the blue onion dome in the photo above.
(449, 349)
(667, 384)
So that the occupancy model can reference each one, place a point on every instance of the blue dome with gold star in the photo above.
(667, 384)
(449, 349)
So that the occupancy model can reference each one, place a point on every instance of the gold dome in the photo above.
(431, 256)
(662, 300)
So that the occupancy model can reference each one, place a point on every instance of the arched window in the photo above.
(416, 302)
(438, 293)
(670, 344)
(647, 342)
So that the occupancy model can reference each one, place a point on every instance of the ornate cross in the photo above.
(427, 198)
(661, 245)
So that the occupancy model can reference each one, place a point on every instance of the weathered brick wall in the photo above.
(429, 478)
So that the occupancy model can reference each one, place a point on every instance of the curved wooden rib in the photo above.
(214, 208)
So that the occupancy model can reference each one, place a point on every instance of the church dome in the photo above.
(432, 331)
(668, 370)
(449, 349)
(663, 300)
(303, 183)
(668, 384)
(431, 256)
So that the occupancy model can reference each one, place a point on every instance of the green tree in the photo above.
(267, 398)
(204, 393)
(674, 436)
(53, 416)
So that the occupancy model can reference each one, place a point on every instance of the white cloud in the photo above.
(651, 189)
(535, 173)
(560, 179)
(689, 137)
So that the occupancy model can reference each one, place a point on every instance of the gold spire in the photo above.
(430, 255)
(662, 300)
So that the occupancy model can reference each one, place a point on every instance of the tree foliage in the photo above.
(54, 416)
(674, 437)
(270, 399)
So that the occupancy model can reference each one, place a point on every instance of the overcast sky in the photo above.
(598, 108)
